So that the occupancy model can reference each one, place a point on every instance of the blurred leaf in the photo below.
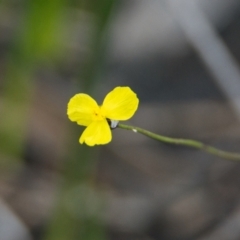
(81, 162)
(37, 39)
(102, 11)
(43, 28)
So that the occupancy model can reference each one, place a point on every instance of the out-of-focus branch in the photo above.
(210, 47)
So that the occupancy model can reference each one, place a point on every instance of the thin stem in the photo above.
(184, 142)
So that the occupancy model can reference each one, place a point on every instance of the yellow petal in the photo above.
(81, 108)
(120, 104)
(96, 133)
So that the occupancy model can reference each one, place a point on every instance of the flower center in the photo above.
(97, 115)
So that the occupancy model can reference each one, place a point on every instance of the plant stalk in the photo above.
(184, 142)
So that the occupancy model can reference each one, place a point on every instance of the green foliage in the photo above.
(38, 40)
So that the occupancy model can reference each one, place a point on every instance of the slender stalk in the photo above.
(184, 142)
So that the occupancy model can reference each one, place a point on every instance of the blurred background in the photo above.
(181, 57)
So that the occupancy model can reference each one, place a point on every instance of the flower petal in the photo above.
(81, 109)
(96, 133)
(120, 104)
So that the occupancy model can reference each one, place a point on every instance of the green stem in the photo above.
(184, 142)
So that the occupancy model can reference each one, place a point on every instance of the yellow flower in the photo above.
(120, 104)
